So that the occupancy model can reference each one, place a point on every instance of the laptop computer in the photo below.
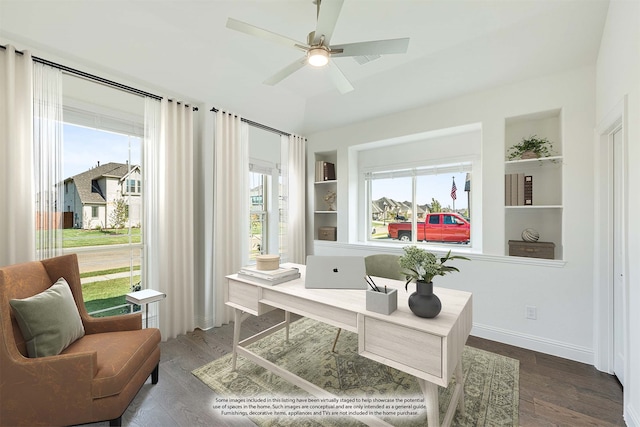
(335, 272)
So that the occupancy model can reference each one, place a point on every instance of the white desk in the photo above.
(429, 349)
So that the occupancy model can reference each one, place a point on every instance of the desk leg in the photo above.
(147, 311)
(287, 319)
(460, 380)
(430, 391)
(237, 322)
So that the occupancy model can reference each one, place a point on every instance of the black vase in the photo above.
(423, 302)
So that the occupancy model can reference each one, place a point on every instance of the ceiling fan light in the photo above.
(318, 57)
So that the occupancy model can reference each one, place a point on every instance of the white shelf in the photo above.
(323, 217)
(534, 207)
(551, 159)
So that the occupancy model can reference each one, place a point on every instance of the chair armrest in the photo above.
(84, 365)
(72, 373)
(124, 322)
(45, 384)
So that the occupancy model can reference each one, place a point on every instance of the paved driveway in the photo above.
(106, 257)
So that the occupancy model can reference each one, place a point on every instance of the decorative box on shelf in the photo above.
(327, 233)
(544, 250)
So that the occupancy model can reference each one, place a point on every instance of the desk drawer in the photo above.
(407, 347)
(244, 295)
(325, 313)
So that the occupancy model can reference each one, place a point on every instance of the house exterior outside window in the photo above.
(92, 194)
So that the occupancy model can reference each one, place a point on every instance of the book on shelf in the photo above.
(507, 190)
(518, 189)
(325, 171)
(520, 181)
(528, 190)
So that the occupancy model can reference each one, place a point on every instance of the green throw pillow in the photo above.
(49, 321)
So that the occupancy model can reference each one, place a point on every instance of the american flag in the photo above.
(453, 190)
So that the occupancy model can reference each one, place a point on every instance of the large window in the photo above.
(258, 225)
(401, 201)
(419, 188)
(265, 194)
(102, 147)
(106, 229)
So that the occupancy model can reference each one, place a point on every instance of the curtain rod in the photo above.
(258, 125)
(94, 77)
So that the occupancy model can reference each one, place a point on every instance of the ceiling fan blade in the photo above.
(327, 18)
(252, 30)
(377, 47)
(286, 72)
(339, 79)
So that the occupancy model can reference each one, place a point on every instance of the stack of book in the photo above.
(269, 277)
(518, 189)
(325, 171)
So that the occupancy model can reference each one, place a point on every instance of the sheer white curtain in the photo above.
(230, 204)
(17, 210)
(47, 150)
(294, 165)
(169, 212)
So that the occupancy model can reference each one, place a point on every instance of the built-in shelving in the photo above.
(325, 213)
(545, 214)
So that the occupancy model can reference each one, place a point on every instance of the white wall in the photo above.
(503, 286)
(618, 76)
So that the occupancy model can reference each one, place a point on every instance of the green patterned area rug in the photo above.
(491, 384)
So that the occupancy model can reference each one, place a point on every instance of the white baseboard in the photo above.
(631, 417)
(531, 342)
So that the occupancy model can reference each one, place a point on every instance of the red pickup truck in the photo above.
(438, 227)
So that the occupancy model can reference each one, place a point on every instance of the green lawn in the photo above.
(105, 289)
(107, 293)
(75, 237)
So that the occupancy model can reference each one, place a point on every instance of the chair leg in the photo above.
(116, 422)
(333, 349)
(154, 374)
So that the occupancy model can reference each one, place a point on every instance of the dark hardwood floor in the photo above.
(553, 391)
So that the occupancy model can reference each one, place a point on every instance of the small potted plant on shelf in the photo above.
(422, 266)
(532, 147)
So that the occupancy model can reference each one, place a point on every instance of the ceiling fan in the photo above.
(318, 50)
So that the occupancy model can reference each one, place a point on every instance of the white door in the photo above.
(619, 295)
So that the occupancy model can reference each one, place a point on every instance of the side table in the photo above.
(145, 297)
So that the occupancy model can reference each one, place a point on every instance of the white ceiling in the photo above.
(182, 47)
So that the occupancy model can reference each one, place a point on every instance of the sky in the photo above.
(85, 147)
(436, 186)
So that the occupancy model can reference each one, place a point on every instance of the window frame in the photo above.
(134, 248)
(414, 171)
(272, 203)
(458, 143)
(263, 214)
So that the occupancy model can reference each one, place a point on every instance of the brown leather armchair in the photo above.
(93, 379)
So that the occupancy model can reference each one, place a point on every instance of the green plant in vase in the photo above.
(532, 147)
(422, 266)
